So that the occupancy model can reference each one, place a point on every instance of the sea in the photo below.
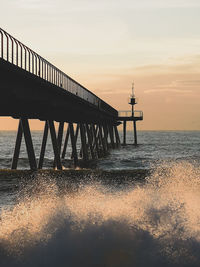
(152, 221)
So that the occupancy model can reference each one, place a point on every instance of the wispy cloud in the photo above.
(176, 87)
(179, 91)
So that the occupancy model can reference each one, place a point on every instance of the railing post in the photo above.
(2, 44)
(12, 56)
(24, 57)
(7, 46)
(17, 51)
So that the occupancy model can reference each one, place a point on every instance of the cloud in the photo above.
(179, 91)
(176, 86)
(170, 67)
(195, 83)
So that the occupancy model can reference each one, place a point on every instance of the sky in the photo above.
(107, 44)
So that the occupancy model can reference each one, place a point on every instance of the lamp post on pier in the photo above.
(133, 103)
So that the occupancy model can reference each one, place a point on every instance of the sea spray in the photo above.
(156, 223)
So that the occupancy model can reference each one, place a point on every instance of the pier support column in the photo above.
(124, 133)
(76, 137)
(60, 135)
(90, 141)
(99, 140)
(65, 143)
(135, 132)
(17, 147)
(77, 131)
(83, 142)
(55, 144)
(105, 130)
(29, 144)
(24, 128)
(59, 139)
(117, 136)
(95, 140)
(73, 143)
(43, 147)
(110, 129)
(96, 131)
(102, 140)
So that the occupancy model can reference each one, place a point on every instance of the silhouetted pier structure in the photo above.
(134, 115)
(33, 88)
(124, 117)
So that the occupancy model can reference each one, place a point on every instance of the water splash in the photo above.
(152, 224)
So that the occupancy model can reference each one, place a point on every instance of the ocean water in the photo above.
(155, 222)
(153, 147)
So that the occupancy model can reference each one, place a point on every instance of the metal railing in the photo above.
(20, 55)
(128, 113)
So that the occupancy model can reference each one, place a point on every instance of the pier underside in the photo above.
(26, 95)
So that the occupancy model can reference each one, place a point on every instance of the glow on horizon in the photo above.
(106, 44)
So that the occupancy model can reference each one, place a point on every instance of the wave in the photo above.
(151, 224)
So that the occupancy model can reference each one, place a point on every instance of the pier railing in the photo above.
(22, 56)
(128, 113)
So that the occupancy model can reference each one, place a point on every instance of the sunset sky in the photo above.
(107, 44)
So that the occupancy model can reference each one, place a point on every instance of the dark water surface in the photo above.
(153, 147)
(110, 220)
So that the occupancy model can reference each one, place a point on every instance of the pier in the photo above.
(134, 115)
(33, 88)
(126, 116)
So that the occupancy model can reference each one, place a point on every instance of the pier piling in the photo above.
(73, 143)
(17, 146)
(55, 144)
(124, 132)
(43, 147)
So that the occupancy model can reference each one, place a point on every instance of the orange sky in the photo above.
(105, 45)
(169, 95)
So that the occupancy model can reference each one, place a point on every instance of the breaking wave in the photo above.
(155, 223)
